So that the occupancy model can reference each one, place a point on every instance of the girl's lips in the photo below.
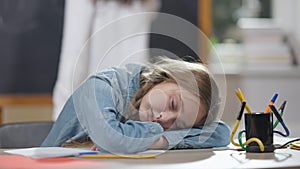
(154, 120)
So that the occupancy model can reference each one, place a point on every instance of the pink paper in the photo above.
(21, 162)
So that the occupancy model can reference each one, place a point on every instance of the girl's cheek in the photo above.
(143, 115)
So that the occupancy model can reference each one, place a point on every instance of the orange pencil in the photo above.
(268, 109)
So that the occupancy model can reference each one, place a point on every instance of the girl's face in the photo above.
(171, 107)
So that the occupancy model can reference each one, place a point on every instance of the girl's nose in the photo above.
(157, 115)
(166, 119)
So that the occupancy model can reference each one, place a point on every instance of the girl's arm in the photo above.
(214, 135)
(96, 107)
(161, 143)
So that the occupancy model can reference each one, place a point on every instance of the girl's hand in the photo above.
(95, 148)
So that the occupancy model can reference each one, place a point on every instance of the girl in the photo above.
(170, 104)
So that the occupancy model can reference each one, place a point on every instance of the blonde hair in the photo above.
(193, 77)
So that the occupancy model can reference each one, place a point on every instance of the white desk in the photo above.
(207, 158)
(186, 159)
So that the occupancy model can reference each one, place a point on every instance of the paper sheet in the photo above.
(47, 152)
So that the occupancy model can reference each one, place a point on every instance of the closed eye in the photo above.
(173, 104)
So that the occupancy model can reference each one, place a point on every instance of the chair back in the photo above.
(24, 135)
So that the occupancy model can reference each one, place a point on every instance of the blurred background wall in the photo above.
(257, 42)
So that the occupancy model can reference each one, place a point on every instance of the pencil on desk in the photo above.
(137, 156)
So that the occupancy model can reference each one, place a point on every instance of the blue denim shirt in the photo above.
(97, 109)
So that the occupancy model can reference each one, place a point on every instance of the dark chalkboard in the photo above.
(30, 42)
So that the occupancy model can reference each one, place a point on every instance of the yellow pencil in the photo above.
(240, 95)
(118, 156)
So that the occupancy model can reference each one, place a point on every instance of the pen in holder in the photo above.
(259, 125)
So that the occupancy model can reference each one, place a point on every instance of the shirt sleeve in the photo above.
(214, 135)
(96, 108)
